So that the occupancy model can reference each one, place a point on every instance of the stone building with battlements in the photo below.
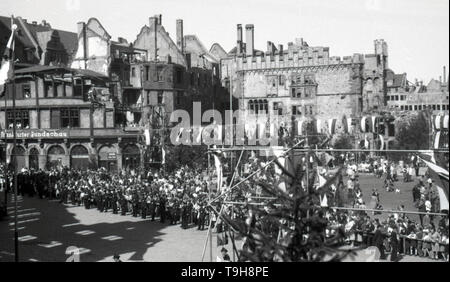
(283, 85)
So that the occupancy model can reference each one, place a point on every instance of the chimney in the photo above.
(82, 36)
(239, 39)
(269, 47)
(180, 35)
(153, 21)
(445, 76)
(159, 19)
(34, 22)
(280, 49)
(250, 40)
(44, 22)
(154, 25)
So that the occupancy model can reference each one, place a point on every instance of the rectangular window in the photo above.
(55, 116)
(22, 118)
(277, 108)
(179, 76)
(281, 80)
(433, 107)
(69, 118)
(77, 87)
(420, 107)
(293, 92)
(402, 108)
(179, 97)
(26, 90)
(74, 118)
(148, 97)
(65, 118)
(159, 73)
(438, 107)
(415, 107)
(147, 73)
(133, 72)
(296, 110)
(160, 97)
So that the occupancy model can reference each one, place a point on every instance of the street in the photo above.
(47, 229)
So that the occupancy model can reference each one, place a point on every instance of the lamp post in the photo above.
(16, 234)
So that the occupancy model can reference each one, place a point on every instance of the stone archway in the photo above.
(107, 158)
(18, 157)
(79, 158)
(131, 157)
(55, 156)
(33, 159)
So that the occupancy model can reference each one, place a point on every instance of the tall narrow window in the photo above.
(26, 90)
(160, 97)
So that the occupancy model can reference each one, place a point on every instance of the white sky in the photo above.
(417, 31)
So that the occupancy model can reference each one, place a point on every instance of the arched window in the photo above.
(251, 106)
(55, 156)
(131, 157)
(56, 150)
(34, 159)
(79, 158)
(261, 106)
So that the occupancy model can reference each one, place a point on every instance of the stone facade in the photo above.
(302, 81)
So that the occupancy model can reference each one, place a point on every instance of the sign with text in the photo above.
(36, 134)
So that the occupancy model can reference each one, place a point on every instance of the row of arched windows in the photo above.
(258, 106)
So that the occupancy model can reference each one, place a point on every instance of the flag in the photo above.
(439, 175)
(381, 141)
(147, 137)
(374, 120)
(345, 125)
(5, 68)
(437, 123)
(219, 171)
(349, 125)
(437, 137)
(300, 127)
(331, 126)
(363, 124)
(319, 126)
(445, 122)
(366, 142)
(163, 156)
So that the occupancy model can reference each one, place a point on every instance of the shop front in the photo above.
(79, 158)
(107, 158)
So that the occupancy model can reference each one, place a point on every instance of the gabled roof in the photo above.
(399, 80)
(217, 50)
(67, 38)
(193, 38)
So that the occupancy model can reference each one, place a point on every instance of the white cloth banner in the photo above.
(219, 172)
(443, 201)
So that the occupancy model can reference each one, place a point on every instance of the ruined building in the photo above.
(283, 85)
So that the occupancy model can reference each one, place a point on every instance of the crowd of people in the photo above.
(179, 197)
(425, 236)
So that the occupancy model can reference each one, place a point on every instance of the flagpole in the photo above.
(16, 234)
